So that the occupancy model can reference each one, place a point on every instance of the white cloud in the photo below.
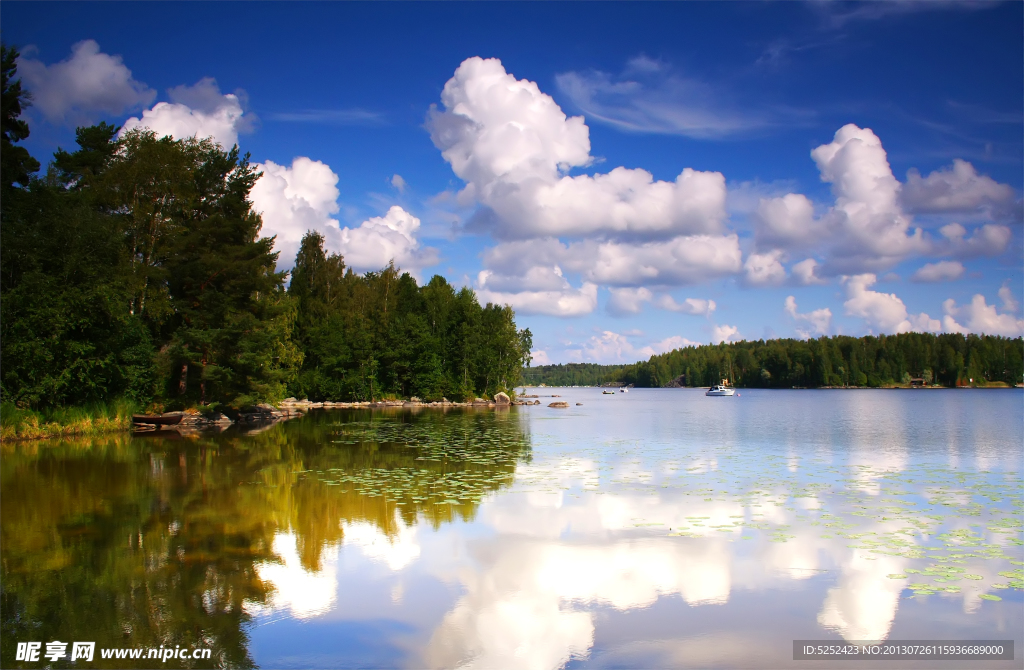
(765, 269)
(941, 271)
(805, 272)
(871, 230)
(536, 278)
(537, 265)
(540, 357)
(512, 145)
(683, 260)
(304, 197)
(1006, 295)
(612, 347)
(980, 317)
(559, 300)
(399, 183)
(294, 200)
(89, 82)
(958, 189)
(625, 301)
(819, 320)
(987, 240)
(884, 311)
(724, 333)
(787, 221)
(382, 239)
(199, 110)
(670, 344)
(649, 98)
(695, 306)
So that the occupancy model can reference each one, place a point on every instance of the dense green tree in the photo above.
(948, 359)
(135, 268)
(381, 334)
(16, 165)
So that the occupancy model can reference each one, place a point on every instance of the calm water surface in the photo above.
(655, 528)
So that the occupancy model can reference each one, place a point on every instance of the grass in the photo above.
(94, 419)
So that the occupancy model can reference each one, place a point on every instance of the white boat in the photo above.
(721, 389)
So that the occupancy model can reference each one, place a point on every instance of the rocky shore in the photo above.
(261, 417)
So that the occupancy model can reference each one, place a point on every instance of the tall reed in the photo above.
(92, 419)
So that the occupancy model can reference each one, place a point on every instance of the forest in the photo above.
(133, 269)
(871, 361)
(571, 374)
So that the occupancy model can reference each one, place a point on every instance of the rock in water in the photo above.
(502, 398)
(558, 404)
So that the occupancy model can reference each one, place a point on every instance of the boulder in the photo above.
(558, 404)
(501, 398)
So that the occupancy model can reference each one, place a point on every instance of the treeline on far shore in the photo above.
(873, 361)
(134, 272)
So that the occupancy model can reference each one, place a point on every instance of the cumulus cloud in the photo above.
(398, 183)
(941, 271)
(883, 311)
(787, 221)
(805, 272)
(294, 200)
(873, 232)
(625, 301)
(684, 260)
(87, 83)
(512, 145)
(724, 333)
(540, 357)
(765, 269)
(695, 306)
(671, 343)
(869, 225)
(553, 299)
(304, 197)
(987, 240)
(382, 239)
(1006, 295)
(200, 110)
(819, 320)
(980, 317)
(612, 347)
(959, 189)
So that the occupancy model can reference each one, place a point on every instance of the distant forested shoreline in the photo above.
(872, 361)
(134, 271)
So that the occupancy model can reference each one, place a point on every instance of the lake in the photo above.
(654, 528)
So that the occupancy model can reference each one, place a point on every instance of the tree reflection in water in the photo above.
(150, 541)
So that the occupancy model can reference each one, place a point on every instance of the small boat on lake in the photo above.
(607, 392)
(722, 389)
(157, 419)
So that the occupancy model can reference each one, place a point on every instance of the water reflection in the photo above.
(171, 541)
(530, 538)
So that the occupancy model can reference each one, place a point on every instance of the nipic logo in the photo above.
(56, 650)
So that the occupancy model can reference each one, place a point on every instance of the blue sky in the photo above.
(630, 177)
